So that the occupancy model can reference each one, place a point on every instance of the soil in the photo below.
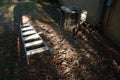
(87, 56)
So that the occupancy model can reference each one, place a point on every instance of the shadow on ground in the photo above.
(99, 56)
(88, 56)
(8, 42)
(94, 56)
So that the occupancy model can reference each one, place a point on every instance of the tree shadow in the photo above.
(8, 47)
(99, 55)
(95, 57)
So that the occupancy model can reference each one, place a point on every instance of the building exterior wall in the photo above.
(92, 6)
(112, 27)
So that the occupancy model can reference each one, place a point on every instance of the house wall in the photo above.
(92, 6)
(112, 27)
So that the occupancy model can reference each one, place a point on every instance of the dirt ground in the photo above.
(87, 56)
